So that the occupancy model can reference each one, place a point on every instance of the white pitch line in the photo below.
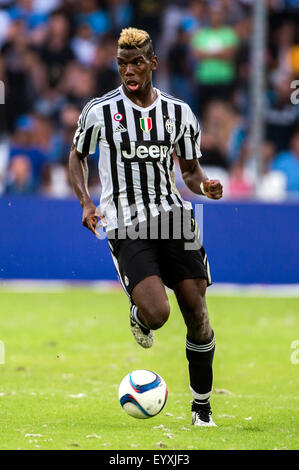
(217, 289)
(252, 290)
(57, 285)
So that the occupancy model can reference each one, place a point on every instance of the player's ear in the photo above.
(154, 63)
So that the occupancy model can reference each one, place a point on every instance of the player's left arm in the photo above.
(197, 181)
(188, 150)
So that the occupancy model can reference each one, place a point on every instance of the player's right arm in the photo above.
(84, 144)
(78, 171)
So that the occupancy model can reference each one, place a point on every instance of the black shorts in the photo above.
(172, 260)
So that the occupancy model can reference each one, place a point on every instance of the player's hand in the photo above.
(90, 217)
(213, 189)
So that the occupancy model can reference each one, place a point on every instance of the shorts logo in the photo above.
(127, 282)
(150, 151)
(146, 124)
(169, 125)
(118, 117)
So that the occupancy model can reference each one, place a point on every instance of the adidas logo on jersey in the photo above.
(120, 128)
(144, 151)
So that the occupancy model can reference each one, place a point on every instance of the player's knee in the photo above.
(157, 315)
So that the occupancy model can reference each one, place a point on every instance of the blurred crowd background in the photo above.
(55, 55)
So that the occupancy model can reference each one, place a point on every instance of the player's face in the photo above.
(135, 69)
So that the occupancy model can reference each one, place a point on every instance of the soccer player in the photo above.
(138, 129)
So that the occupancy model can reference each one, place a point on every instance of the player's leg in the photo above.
(150, 297)
(185, 268)
(136, 263)
(200, 346)
(149, 309)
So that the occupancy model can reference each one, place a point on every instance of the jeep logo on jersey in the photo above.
(154, 150)
(146, 124)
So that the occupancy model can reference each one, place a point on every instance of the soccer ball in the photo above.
(142, 394)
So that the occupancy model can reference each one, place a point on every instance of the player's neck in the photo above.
(143, 98)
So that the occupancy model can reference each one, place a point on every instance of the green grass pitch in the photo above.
(66, 353)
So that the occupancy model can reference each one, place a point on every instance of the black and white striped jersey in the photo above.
(136, 147)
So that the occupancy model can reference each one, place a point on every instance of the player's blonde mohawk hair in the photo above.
(133, 38)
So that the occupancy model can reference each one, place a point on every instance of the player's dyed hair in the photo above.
(133, 38)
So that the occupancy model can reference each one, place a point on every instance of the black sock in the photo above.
(200, 358)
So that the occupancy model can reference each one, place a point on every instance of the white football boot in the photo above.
(202, 415)
(142, 335)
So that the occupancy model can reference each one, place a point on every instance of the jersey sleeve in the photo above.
(87, 133)
(188, 146)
